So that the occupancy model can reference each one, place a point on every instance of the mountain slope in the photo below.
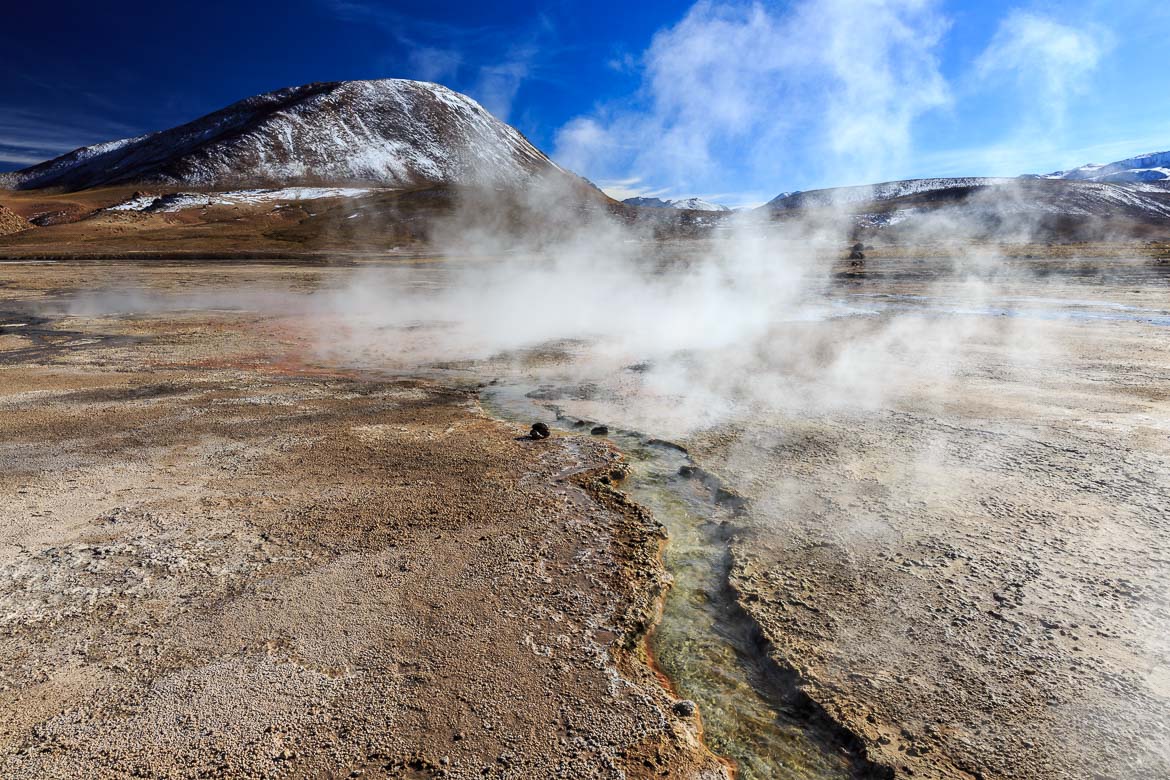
(392, 133)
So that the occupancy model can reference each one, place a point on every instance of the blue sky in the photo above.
(730, 101)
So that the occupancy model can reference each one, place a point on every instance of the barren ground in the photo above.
(221, 556)
(216, 565)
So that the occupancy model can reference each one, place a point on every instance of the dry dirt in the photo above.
(220, 566)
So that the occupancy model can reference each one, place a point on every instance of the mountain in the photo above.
(1013, 210)
(683, 204)
(873, 192)
(389, 133)
(1153, 167)
(1147, 169)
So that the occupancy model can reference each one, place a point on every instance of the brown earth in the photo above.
(379, 224)
(218, 566)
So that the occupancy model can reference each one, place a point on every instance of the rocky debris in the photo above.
(539, 431)
(12, 223)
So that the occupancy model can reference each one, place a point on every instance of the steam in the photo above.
(825, 90)
(683, 336)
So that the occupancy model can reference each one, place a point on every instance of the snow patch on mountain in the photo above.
(185, 200)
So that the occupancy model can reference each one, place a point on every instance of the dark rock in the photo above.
(600, 430)
(539, 431)
(685, 708)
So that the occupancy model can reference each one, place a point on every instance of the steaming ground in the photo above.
(958, 491)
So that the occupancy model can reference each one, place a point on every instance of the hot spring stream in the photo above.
(705, 644)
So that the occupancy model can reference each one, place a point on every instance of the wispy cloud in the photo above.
(827, 88)
(489, 62)
(633, 187)
(1049, 59)
(27, 137)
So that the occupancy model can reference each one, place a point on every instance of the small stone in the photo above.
(600, 430)
(539, 431)
(685, 708)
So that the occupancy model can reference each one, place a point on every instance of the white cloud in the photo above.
(1049, 60)
(829, 88)
(633, 187)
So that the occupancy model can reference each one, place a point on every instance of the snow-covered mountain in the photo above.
(839, 196)
(1028, 208)
(686, 204)
(1153, 167)
(389, 133)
